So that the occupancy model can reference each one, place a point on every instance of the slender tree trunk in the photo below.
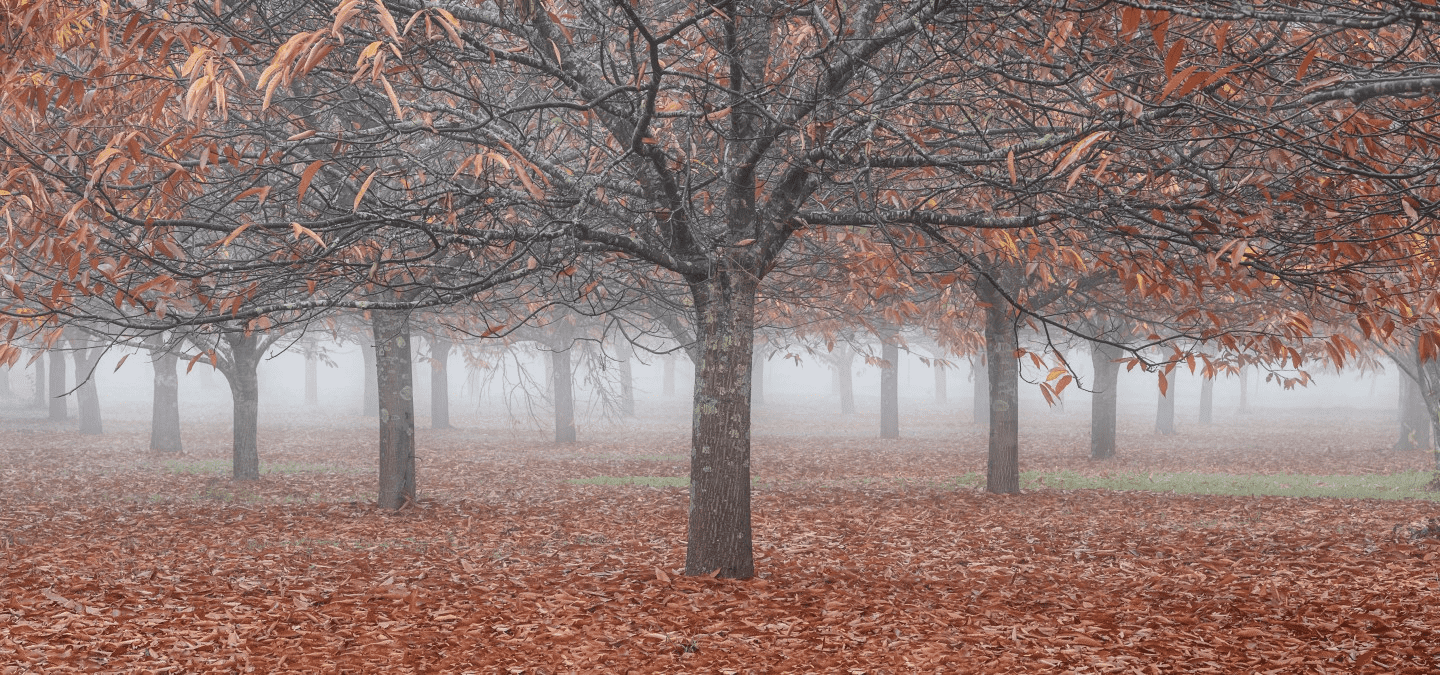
(312, 377)
(1104, 402)
(669, 386)
(1002, 475)
(719, 519)
(757, 375)
(1414, 416)
(1244, 391)
(846, 373)
(980, 376)
(439, 383)
(87, 394)
(369, 401)
(39, 399)
(1207, 401)
(396, 408)
(890, 389)
(165, 407)
(563, 389)
(942, 393)
(59, 403)
(627, 379)
(1165, 407)
(241, 372)
(5, 390)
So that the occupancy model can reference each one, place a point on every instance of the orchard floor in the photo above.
(871, 560)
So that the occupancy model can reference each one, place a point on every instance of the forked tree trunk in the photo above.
(668, 388)
(59, 403)
(890, 389)
(563, 391)
(942, 393)
(312, 377)
(1165, 407)
(757, 375)
(369, 401)
(240, 371)
(439, 383)
(396, 407)
(87, 395)
(165, 407)
(719, 534)
(1002, 475)
(845, 372)
(1207, 401)
(39, 398)
(1104, 402)
(627, 379)
(980, 376)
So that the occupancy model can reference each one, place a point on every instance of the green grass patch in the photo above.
(1408, 485)
(652, 481)
(224, 466)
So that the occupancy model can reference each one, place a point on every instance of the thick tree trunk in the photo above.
(39, 399)
(562, 388)
(669, 385)
(87, 394)
(942, 393)
(439, 383)
(980, 376)
(396, 408)
(890, 389)
(241, 372)
(757, 375)
(1165, 407)
(1002, 474)
(165, 407)
(1414, 417)
(369, 400)
(719, 519)
(1207, 401)
(845, 371)
(59, 403)
(627, 379)
(1104, 402)
(312, 377)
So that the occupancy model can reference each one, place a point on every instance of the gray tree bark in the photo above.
(439, 382)
(1207, 401)
(845, 374)
(240, 371)
(1105, 399)
(562, 385)
(165, 406)
(890, 389)
(59, 403)
(1002, 475)
(395, 408)
(87, 394)
(39, 399)
(1165, 407)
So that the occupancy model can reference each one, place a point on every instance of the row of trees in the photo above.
(1232, 185)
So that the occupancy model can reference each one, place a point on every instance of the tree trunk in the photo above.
(562, 387)
(980, 376)
(1244, 391)
(1002, 340)
(369, 400)
(396, 408)
(312, 377)
(1414, 416)
(719, 534)
(1104, 402)
(1165, 407)
(439, 383)
(1207, 401)
(757, 375)
(165, 407)
(890, 389)
(5, 390)
(39, 399)
(845, 371)
(627, 379)
(59, 402)
(942, 393)
(669, 386)
(87, 394)
(240, 372)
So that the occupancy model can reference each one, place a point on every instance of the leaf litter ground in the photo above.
(870, 557)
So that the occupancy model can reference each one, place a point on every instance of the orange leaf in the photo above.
(363, 187)
(307, 176)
